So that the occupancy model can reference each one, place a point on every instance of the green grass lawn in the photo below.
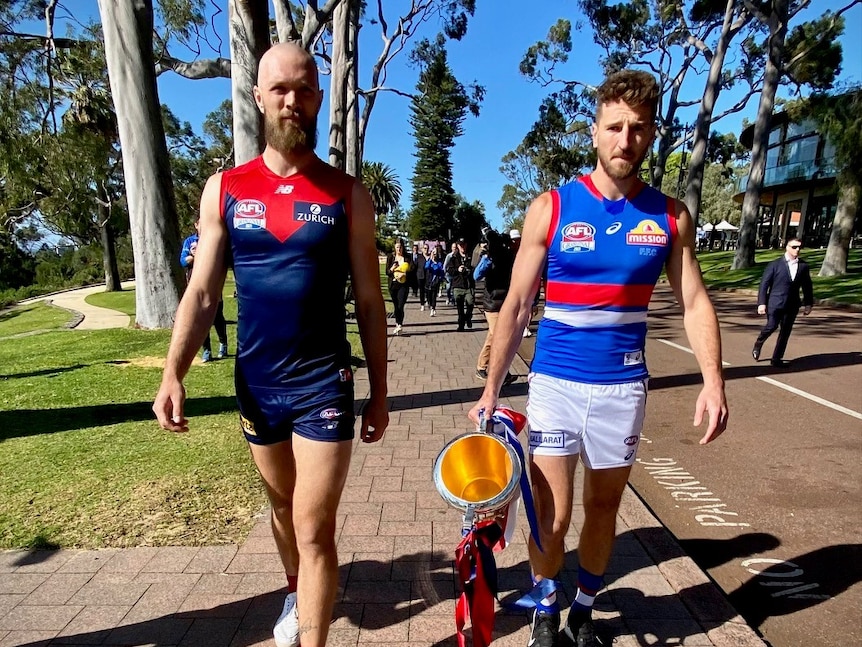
(83, 462)
(31, 318)
(120, 301)
(841, 289)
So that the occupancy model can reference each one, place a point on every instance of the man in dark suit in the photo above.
(778, 299)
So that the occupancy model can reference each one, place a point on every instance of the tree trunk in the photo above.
(353, 161)
(340, 70)
(697, 161)
(109, 251)
(849, 195)
(665, 144)
(249, 39)
(284, 27)
(744, 256)
(128, 29)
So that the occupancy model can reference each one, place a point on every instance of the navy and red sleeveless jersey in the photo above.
(604, 259)
(289, 247)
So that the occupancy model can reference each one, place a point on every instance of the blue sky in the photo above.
(497, 37)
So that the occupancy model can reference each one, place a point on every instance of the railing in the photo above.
(800, 171)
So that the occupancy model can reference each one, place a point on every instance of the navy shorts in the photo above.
(271, 415)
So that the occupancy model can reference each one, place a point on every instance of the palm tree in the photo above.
(383, 185)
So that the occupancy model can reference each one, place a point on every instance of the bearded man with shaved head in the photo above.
(293, 229)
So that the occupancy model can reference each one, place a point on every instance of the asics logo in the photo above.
(614, 228)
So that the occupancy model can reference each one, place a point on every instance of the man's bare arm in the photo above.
(196, 311)
(517, 308)
(701, 325)
(370, 311)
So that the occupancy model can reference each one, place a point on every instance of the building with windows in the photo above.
(799, 195)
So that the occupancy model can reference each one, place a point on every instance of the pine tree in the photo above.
(438, 112)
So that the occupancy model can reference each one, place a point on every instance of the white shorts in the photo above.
(601, 422)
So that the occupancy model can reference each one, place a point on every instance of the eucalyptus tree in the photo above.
(128, 27)
(839, 119)
(93, 179)
(557, 149)
(808, 55)
(58, 171)
(669, 39)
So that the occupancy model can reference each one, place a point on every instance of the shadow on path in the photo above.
(420, 587)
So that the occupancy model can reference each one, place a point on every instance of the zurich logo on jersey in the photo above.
(315, 212)
(578, 237)
(249, 214)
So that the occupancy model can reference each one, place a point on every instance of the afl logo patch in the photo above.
(647, 232)
(578, 237)
(249, 214)
(631, 440)
(330, 414)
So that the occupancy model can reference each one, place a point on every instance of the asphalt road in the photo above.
(771, 510)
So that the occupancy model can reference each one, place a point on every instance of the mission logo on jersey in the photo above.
(249, 214)
(324, 214)
(578, 237)
(647, 232)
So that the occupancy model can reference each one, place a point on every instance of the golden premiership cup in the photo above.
(477, 473)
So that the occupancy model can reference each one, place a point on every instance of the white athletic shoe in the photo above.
(421, 308)
(528, 332)
(286, 632)
(397, 329)
(433, 312)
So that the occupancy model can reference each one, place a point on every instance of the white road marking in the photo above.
(781, 385)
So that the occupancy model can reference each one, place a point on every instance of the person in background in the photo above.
(778, 299)
(397, 269)
(419, 260)
(412, 278)
(460, 273)
(494, 269)
(515, 237)
(435, 276)
(187, 260)
(449, 295)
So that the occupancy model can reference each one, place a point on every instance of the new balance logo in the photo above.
(284, 189)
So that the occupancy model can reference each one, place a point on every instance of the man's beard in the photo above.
(287, 136)
(620, 168)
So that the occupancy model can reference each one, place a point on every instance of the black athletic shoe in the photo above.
(755, 353)
(584, 635)
(546, 628)
(509, 379)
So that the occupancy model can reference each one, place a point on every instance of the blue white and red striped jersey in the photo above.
(604, 259)
(289, 247)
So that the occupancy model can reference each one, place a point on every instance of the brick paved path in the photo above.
(396, 540)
